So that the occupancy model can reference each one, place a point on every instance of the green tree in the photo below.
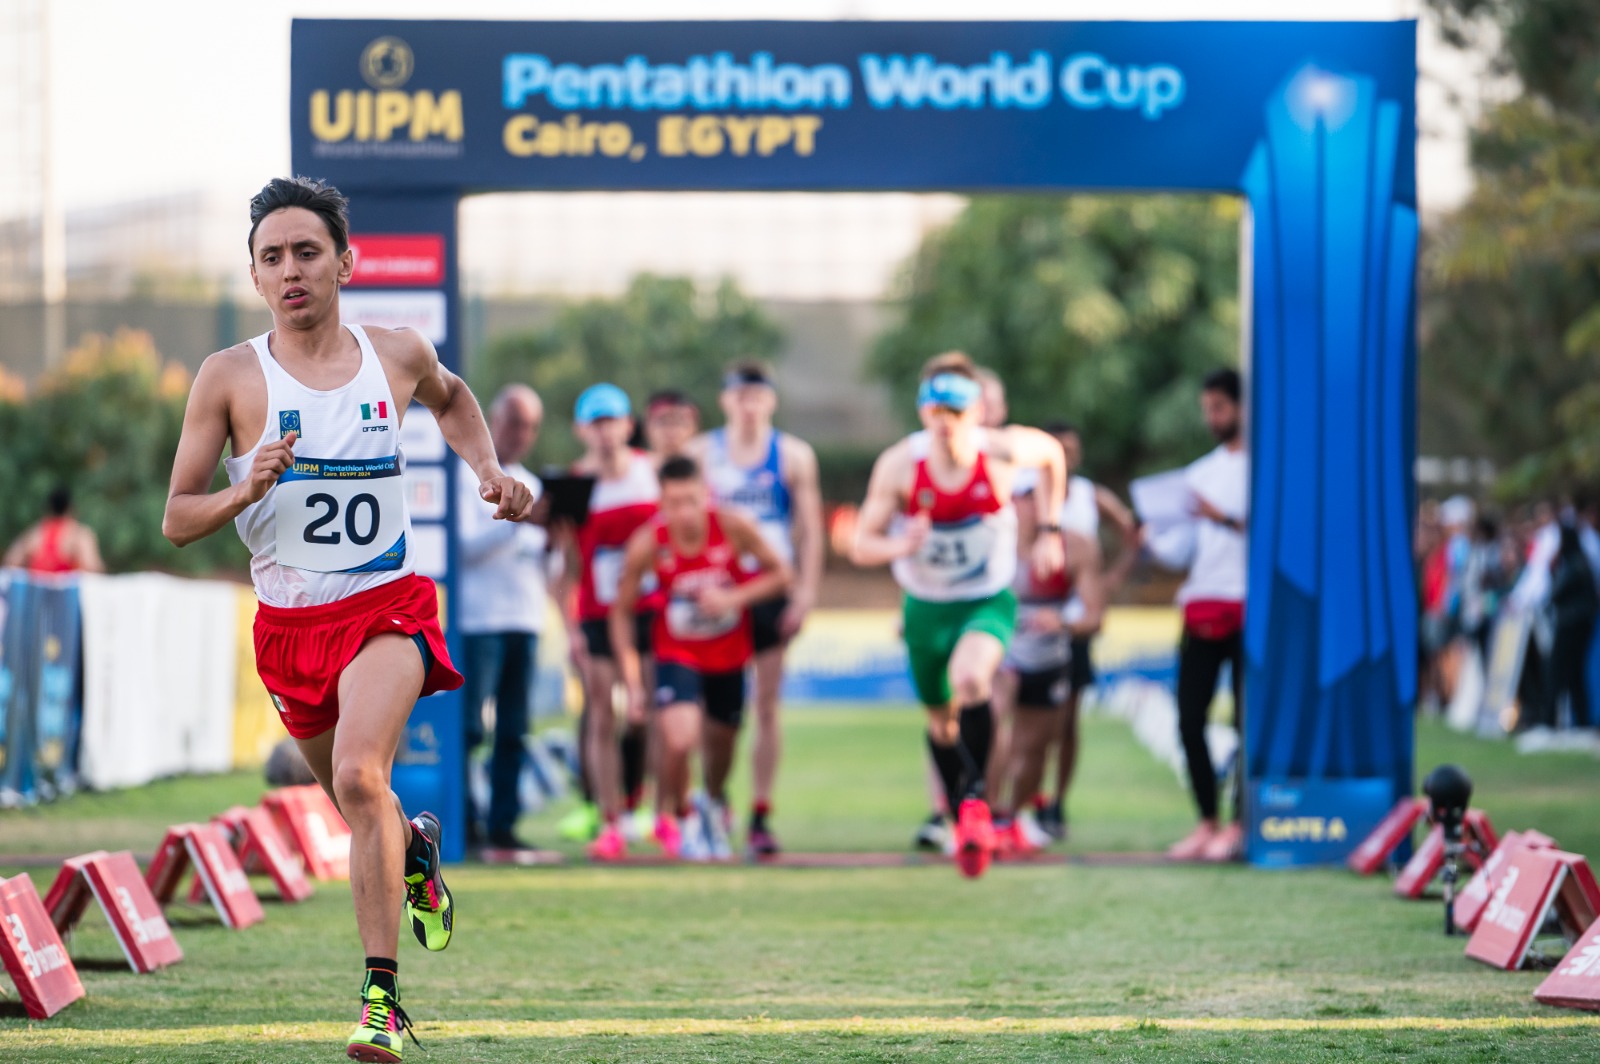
(106, 425)
(1102, 310)
(661, 333)
(1512, 280)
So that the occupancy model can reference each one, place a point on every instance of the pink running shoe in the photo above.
(974, 838)
(609, 845)
(669, 836)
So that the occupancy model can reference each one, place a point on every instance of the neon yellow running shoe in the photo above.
(582, 824)
(429, 905)
(380, 1036)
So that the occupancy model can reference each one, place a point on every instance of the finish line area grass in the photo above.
(736, 964)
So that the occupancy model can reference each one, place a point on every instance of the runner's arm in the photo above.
(1034, 447)
(1037, 448)
(461, 422)
(873, 545)
(774, 578)
(805, 488)
(1083, 561)
(17, 554)
(640, 554)
(1114, 510)
(193, 510)
(88, 552)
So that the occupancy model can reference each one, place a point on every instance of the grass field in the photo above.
(743, 964)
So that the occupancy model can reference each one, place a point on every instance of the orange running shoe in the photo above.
(609, 845)
(974, 838)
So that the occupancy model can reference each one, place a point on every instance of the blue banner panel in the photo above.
(1297, 822)
(1331, 621)
(40, 690)
(402, 105)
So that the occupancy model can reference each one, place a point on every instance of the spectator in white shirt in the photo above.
(1212, 600)
(500, 615)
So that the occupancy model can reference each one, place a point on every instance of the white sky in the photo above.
(192, 95)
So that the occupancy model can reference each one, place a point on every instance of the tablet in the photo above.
(568, 494)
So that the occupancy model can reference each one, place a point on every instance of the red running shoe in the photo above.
(974, 838)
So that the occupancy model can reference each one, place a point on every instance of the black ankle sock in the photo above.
(951, 767)
(633, 757)
(419, 853)
(382, 972)
(977, 737)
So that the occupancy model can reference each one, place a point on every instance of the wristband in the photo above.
(1048, 528)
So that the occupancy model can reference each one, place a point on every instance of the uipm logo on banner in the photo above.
(384, 121)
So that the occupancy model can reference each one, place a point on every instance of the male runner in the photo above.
(1087, 504)
(934, 833)
(624, 498)
(771, 477)
(347, 635)
(938, 511)
(1053, 614)
(701, 556)
(671, 420)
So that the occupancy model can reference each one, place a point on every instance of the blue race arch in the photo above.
(1313, 123)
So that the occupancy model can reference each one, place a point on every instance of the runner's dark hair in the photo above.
(679, 467)
(318, 197)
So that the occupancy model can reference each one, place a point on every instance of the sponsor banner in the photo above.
(158, 676)
(398, 261)
(1387, 837)
(33, 953)
(426, 496)
(391, 105)
(1311, 822)
(422, 311)
(217, 872)
(262, 848)
(420, 438)
(314, 828)
(135, 917)
(430, 550)
(1517, 908)
(1575, 982)
(857, 655)
(1474, 897)
(40, 694)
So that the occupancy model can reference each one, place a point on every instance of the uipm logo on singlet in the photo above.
(289, 421)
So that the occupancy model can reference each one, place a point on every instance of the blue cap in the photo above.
(949, 389)
(601, 400)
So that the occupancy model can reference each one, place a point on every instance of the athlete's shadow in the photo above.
(100, 964)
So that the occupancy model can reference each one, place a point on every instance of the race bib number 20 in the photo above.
(342, 515)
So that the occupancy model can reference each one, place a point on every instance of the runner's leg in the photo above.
(601, 741)
(769, 730)
(376, 694)
(973, 665)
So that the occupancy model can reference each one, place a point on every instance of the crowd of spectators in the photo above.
(1536, 565)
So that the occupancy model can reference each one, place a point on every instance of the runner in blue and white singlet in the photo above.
(770, 477)
(759, 491)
